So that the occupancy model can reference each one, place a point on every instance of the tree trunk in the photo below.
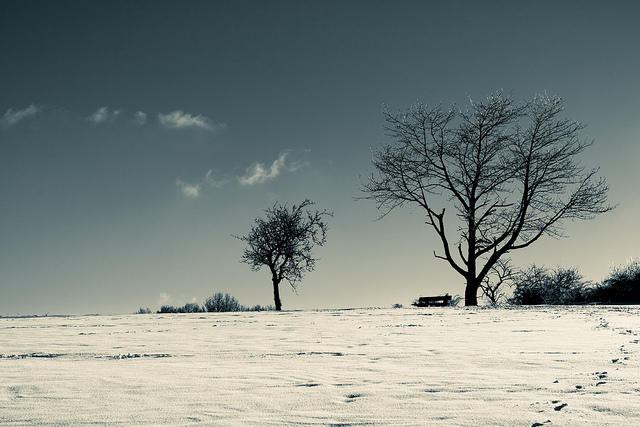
(471, 292)
(276, 292)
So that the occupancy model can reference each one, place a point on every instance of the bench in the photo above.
(441, 301)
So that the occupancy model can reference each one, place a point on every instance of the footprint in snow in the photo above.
(559, 407)
(352, 397)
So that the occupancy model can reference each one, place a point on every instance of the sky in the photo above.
(137, 137)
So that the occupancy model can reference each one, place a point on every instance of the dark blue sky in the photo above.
(136, 137)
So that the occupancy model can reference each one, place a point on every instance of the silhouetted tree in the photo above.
(492, 285)
(509, 172)
(283, 242)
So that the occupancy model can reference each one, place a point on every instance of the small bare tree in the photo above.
(492, 285)
(283, 242)
(508, 171)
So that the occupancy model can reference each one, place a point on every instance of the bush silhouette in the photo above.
(222, 303)
(168, 309)
(217, 303)
(539, 285)
(621, 286)
(259, 307)
(191, 307)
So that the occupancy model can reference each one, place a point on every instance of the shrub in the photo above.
(216, 303)
(259, 307)
(143, 311)
(168, 309)
(539, 285)
(191, 307)
(456, 300)
(222, 303)
(622, 285)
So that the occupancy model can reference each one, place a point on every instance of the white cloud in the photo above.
(10, 118)
(100, 115)
(189, 190)
(164, 298)
(103, 114)
(178, 120)
(140, 118)
(213, 180)
(258, 173)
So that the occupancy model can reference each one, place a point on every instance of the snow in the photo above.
(562, 366)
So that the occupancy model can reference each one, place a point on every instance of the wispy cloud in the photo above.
(140, 118)
(255, 174)
(174, 120)
(164, 298)
(189, 190)
(259, 173)
(179, 120)
(212, 178)
(11, 117)
(104, 114)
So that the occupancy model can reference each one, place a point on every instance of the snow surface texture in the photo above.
(543, 366)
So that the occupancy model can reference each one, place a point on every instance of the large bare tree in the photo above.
(283, 242)
(508, 170)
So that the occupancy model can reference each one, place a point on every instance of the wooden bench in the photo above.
(441, 301)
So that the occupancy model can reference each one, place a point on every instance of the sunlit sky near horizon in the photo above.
(137, 137)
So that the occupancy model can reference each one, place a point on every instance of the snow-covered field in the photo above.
(543, 366)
